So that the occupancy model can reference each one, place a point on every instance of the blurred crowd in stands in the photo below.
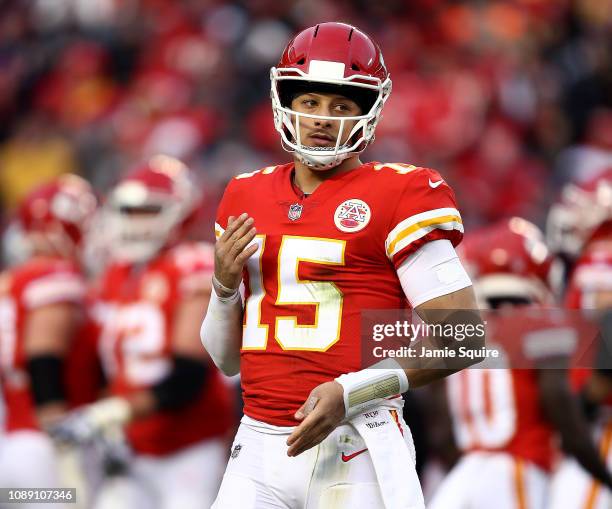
(508, 99)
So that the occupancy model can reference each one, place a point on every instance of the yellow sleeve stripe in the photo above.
(418, 226)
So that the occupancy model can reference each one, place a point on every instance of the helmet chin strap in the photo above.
(322, 161)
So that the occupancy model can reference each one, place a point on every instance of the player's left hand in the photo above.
(319, 416)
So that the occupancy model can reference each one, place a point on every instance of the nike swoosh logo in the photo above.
(433, 185)
(349, 457)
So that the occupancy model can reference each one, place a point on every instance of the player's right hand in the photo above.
(232, 250)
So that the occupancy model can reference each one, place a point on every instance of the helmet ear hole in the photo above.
(301, 61)
(355, 67)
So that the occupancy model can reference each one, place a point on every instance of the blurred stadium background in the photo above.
(508, 99)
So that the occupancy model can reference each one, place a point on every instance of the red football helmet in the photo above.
(55, 216)
(581, 211)
(509, 260)
(150, 208)
(330, 57)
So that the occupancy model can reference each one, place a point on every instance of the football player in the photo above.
(505, 420)
(590, 288)
(41, 312)
(580, 217)
(319, 240)
(579, 227)
(164, 391)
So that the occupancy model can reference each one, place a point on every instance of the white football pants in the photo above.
(28, 460)
(187, 479)
(338, 473)
(482, 480)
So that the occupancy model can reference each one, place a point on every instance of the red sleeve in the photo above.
(58, 283)
(426, 211)
(195, 264)
(83, 378)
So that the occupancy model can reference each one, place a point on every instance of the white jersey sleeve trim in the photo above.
(419, 225)
(54, 289)
(431, 271)
(218, 230)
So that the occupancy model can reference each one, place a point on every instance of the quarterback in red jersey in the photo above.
(314, 243)
(173, 404)
(41, 309)
(506, 420)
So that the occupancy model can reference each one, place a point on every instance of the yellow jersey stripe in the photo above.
(419, 225)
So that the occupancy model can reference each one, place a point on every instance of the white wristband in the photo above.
(369, 387)
(219, 288)
(231, 296)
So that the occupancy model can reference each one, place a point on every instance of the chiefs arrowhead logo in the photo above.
(352, 215)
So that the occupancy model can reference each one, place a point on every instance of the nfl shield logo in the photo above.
(295, 211)
(236, 451)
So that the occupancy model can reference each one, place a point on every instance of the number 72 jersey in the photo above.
(320, 261)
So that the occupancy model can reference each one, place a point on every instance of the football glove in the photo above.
(103, 418)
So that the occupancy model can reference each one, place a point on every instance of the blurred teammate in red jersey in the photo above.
(321, 239)
(173, 404)
(579, 226)
(41, 312)
(590, 288)
(505, 420)
(580, 219)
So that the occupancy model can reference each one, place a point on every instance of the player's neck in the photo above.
(308, 179)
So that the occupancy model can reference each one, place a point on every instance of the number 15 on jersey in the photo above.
(324, 295)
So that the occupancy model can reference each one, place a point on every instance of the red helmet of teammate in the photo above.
(581, 211)
(509, 261)
(55, 216)
(591, 283)
(150, 208)
(337, 58)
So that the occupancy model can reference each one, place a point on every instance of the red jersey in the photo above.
(499, 410)
(135, 309)
(34, 284)
(322, 259)
(591, 273)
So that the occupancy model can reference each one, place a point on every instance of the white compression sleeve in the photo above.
(431, 271)
(221, 332)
